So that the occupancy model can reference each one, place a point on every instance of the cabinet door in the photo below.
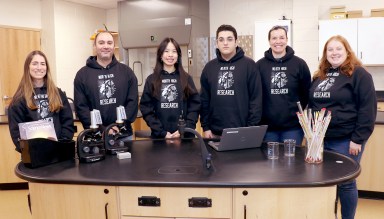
(346, 28)
(372, 175)
(9, 158)
(175, 202)
(61, 201)
(371, 46)
(282, 203)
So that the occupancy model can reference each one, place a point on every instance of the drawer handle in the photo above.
(149, 201)
(200, 202)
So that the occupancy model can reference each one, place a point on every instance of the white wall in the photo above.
(304, 15)
(74, 24)
(20, 13)
(65, 27)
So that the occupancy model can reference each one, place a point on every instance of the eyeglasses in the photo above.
(228, 40)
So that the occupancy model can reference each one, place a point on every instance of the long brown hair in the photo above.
(156, 84)
(347, 67)
(26, 89)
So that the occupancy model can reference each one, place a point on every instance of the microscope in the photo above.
(116, 134)
(90, 144)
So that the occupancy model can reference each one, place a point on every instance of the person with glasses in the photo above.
(286, 80)
(230, 87)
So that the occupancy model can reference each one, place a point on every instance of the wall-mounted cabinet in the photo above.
(363, 34)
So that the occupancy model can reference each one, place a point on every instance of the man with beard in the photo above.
(104, 84)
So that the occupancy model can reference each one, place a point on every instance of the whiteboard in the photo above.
(261, 42)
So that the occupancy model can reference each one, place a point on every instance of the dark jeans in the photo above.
(347, 191)
(279, 136)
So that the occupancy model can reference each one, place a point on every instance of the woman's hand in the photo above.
(169, 135)
(208, 134)
(176, 134)
(354, 149)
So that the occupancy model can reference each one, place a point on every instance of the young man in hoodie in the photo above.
(286, 80)
(230, 87)
(104, 84)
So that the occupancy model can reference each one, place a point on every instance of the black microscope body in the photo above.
(115, 137)
(90, 146)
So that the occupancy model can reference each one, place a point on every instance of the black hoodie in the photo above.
(162, 113)
(285, 82)
(230, 93)
(352, 101)
(19, 112)
(104, 89)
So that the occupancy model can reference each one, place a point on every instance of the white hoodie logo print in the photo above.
(321, 90)
(169, 96)
(279, 80)
(107, 89)
(43, 108)
(41, 101)
(225, 81)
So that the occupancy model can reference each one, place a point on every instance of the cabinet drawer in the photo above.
(176, 202)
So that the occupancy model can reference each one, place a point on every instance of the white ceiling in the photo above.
(105, 4)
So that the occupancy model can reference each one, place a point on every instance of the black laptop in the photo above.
(240, 138)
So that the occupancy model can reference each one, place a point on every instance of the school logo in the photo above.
(41, 101)
(326, 84)
(107, 89)
(226, 80)
(43, 108)
(321, 90)
(169, 93)
(279, 79)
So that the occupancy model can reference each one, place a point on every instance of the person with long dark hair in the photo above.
(38, 98)
(169, 93)
(344, 87)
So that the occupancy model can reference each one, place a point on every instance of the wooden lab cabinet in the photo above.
(9, 158)
(61, 201)
(372, 162)
(176, 202)
(266, 203)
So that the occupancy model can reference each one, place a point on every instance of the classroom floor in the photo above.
(14, 204)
